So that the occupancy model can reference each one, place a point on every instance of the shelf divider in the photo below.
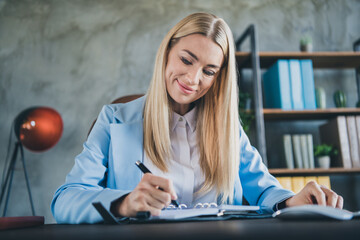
(320, 59)
(279, 114)
(315, 171)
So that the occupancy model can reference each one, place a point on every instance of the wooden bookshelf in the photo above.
(258, 61)
(320, 59)
(315, 171)
(279, 114)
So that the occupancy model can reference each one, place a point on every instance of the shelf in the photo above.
(320, 59)
(315, 171)
(279, 114)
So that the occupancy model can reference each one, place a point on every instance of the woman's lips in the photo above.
(184, 88)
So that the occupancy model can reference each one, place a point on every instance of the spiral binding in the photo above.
(197, 206)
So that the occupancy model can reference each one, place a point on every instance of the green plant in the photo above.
(305, 40)
(246, 115)
(243, 98)
(324, 150)
(340, 99)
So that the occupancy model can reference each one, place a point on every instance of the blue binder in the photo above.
(277, 86)
(307, 76)
(296, 85)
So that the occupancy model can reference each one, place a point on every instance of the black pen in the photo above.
(146, 170)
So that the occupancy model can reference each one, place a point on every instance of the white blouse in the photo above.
(184, 168)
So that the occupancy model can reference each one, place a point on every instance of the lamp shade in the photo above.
(38, 128)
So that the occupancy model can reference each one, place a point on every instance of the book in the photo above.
(285, 182)
(277, 86)
(310, 144)
(307, 78)
(357, 123)
(296, 85)
(324, 180)
(353, 141)
(297, 150)
(288, 152)
(310, 178)
(297, 184)
(304, 151)
(334, 133)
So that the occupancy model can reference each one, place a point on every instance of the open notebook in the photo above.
(205, 210)
(209, 213)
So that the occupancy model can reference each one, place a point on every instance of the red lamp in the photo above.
(37, 129)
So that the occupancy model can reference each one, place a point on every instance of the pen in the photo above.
(146, 170)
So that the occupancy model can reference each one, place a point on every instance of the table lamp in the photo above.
(37, 129)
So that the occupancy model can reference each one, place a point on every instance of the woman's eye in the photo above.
(209, 73)
(185, 61)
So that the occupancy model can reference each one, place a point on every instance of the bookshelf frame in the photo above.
(253, 58)
(307, 172)
(337, 60)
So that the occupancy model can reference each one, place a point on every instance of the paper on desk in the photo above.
(186, 213)
(244, 208)
(197, 212)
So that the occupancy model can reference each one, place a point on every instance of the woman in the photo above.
(186, 130)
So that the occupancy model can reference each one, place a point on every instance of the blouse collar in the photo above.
(189, 117)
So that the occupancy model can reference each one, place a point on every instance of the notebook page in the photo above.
(186, 213)
(244, 208)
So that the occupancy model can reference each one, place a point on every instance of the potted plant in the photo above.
(340, 99)
(306, 44)
(246, 115)
(323, 152)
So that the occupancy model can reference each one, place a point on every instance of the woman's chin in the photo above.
(183, 100)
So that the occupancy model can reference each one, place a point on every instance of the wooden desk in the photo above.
(233, 229)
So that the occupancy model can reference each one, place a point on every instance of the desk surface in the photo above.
(231, 229)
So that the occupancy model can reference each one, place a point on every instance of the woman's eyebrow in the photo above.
(196, 58)
(191, 54)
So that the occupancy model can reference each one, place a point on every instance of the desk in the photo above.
(232, 229)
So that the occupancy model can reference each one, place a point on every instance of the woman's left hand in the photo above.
(314, 193)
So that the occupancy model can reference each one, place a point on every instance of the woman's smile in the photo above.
(184, 88)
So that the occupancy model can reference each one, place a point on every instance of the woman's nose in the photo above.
(194, 76)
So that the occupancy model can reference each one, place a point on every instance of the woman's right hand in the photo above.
(147, 196)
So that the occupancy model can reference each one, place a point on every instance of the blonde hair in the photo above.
(217, 116)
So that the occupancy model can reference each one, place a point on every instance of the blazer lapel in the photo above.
(127, 148)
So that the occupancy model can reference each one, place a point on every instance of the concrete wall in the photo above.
(76, 56)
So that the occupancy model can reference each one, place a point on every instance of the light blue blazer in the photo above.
(105, 170)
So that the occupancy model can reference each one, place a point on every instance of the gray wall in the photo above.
(76, 56)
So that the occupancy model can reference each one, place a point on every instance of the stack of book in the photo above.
(297, 183)
(289, 84)
(299, 151)
(343, 132)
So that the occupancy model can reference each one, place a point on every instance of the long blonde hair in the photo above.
(217, 116)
